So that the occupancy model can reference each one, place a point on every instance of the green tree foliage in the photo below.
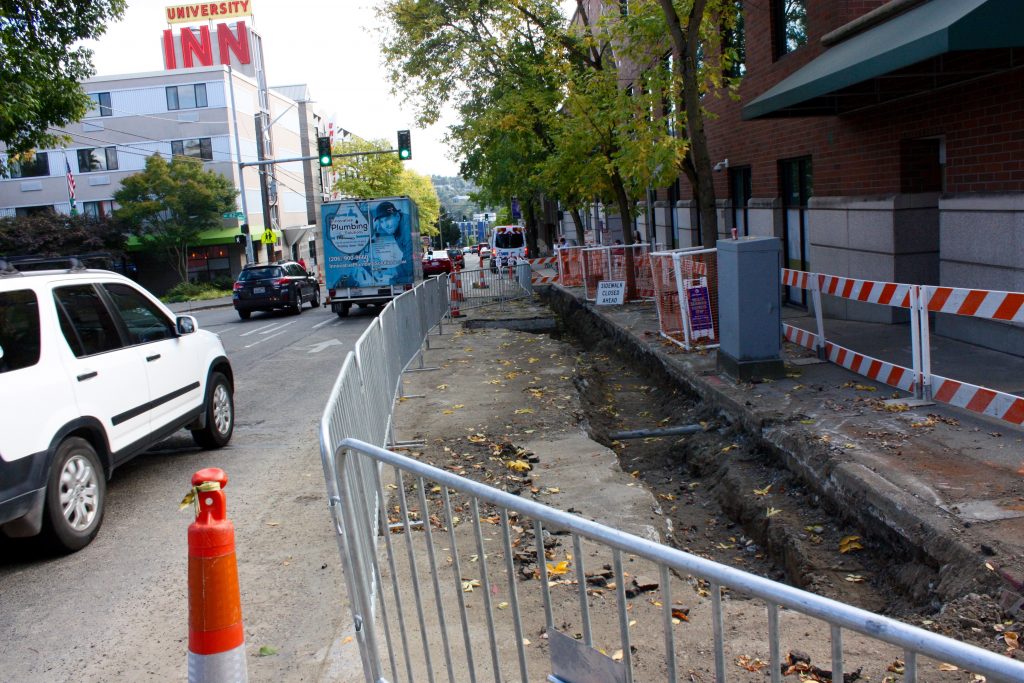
(54, 234)
(41, 65)
(369, 175)
(421, 190)
(168, 205)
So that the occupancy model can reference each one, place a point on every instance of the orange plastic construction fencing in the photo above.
(596, 266)
(685, 286)
(613, 263)
(570, 266)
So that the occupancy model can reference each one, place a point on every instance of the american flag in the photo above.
(71, 186)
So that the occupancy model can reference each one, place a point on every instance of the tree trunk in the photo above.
(622, 199)
(577, 220)
(686, 44)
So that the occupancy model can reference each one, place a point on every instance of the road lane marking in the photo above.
(249, 346)
(246, 334)
(326, 322)
(317, 348)
(284, 325)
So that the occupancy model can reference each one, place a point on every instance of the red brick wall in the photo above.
(859, 154)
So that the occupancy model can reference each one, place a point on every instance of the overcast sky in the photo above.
(345, 75)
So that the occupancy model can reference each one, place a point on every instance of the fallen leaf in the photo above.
(502, 605)
(266, 651)
(864, 387)
(346, 640)
(447, 412)
(477, 438)
(771, 512)
(948, 667)
(523, 411)
(850, 543)
(519, 465)
(854, 578)
(559, 568)
(730, 447)
(458, 406)
(442, 387)
(617, 656)
(1011, 639)
(468, 586)
(532, 360)
(764, 491)
(753, 664)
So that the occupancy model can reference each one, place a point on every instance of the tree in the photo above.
(421, 190)
(369, 175)
(695, 28)
(53, 234)
(42, 68)
(169, 204)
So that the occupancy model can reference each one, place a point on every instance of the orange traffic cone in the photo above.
(456, 296)
(216, 642)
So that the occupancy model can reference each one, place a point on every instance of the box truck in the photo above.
(371, 250)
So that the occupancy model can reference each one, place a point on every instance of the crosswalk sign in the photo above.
(268, 236)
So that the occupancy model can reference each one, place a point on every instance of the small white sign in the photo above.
(611, 292)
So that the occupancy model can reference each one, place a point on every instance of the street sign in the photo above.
(611, 292)
(268, 237)
(233, 214)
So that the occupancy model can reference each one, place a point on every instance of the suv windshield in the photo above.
(260, 273)
(508, 240)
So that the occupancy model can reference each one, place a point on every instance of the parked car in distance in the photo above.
(436, 262)
(266, 286)
(475, 249)
(485, 253)
(458, 259)
(96, 370)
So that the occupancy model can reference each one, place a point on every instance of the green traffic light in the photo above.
(405, 154)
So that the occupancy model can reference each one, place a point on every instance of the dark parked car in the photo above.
(266, 286)
(457, 257)
(436, 262)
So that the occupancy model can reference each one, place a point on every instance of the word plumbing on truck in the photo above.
(371, 251)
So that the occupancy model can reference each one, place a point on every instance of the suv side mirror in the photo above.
(186, 324)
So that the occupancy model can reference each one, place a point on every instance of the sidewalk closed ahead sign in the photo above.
(611, 292)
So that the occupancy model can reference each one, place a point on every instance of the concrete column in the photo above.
(749, 308)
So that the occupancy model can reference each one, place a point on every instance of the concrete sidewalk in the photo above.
(187, 307)
(943, 482)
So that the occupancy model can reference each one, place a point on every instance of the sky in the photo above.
(346, 77)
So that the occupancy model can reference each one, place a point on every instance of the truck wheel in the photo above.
(75, 496)
(342, 310)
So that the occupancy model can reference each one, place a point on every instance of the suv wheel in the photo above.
(75, 496)
(244, 315)
(316, 298)
(296, 306)
(220, 414)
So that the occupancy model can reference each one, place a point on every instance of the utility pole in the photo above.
(249, 256)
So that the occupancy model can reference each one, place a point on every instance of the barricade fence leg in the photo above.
(915, 341)
(924, 299)
(815, 282)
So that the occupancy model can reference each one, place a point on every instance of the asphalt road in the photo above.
(118, 609)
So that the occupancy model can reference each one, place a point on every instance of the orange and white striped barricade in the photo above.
(216, 641)
(570, 266)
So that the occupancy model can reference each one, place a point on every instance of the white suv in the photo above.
(93, 371)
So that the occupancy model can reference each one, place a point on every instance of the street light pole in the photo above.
(249, 256)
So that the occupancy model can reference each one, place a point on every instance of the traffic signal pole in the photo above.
(249, 256)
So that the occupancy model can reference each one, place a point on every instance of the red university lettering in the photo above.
(170, 60)
(202, 48)
(239, 44)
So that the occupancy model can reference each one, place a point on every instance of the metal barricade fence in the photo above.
(920, 300)
(512, 583)
(685, 284)
(486, 287)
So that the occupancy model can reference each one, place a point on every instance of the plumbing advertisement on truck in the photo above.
(372, 251)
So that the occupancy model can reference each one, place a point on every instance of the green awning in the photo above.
(207, 238)
(910, 53)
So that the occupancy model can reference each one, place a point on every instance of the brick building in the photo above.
(878, 140)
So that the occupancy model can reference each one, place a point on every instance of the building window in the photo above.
(739, 194)
(186, 96)
(197, 148)
(97, 159)
(206, 264)
(99, 210)
(36, 167)
(790, 20)
(100, 104)
(734, 40)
